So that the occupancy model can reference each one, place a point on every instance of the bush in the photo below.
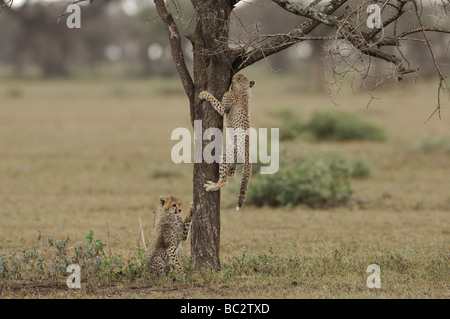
(341, 126)
(361, 168)
(432, 144)
(317, 180)
(328, 125)
(291, 126)
(14, 92)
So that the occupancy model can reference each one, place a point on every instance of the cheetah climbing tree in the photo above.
(357, 34)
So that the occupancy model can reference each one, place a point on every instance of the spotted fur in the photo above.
(170, 230)
(235, 108)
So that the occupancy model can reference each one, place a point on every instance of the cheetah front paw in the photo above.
(203, 95)
(210, 186)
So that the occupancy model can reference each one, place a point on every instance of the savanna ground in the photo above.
(85, 155)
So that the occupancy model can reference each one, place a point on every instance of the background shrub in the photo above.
(432, 144)
(318, 179)
(328, 125)
(291, 125)
(361, 168)
(164, 171)
(342, 126)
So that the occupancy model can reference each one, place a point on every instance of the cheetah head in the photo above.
(170, 204)
(241, 82)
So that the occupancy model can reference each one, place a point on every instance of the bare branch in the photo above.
(308, 12)
(176, 48)
(116, 238)
(73, 2)
(8, 2)
(314, 3)
(286, 40)
(439, 72)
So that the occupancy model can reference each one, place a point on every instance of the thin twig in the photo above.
(6, 3)
(118, 239)
(109, 245)
(142, 234)
(65, 13)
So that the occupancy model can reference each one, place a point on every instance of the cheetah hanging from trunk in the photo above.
(235, 108)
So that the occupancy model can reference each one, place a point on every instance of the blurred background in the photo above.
(125, 38)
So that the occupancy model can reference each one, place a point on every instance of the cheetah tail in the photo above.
(246, 173)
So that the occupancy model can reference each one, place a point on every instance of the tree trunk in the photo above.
(205, 236)
(211, 73)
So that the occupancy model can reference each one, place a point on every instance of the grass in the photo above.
(74, 154)
(281, 270)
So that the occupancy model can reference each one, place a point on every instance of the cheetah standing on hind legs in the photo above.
(170, 230)
(235, 108)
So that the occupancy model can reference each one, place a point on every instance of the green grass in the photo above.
(282, 271)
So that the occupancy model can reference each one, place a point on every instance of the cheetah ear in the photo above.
(162, 200)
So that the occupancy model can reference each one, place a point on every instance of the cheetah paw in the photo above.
(210, 186)
(203, 95)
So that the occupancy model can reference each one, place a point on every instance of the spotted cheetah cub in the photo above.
(170, 230)
(235, 108)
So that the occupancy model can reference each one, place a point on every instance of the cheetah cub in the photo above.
(169, 231)
(235, 108)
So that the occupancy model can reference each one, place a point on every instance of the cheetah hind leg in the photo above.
(158, 266)
(174, 260)
(210, 186)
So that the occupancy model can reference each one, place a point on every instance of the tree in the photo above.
(218, 56)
